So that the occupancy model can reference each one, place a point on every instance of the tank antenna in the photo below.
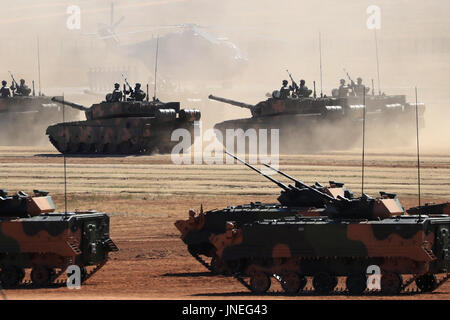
(320, 54)
(418, 150)
(64, 156)
(378, 61)
(39, 67)
(156, 67)
(363, 140)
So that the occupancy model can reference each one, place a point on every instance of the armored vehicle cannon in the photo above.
(124, 127)
(33, 236)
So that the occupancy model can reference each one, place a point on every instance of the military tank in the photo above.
(23, 119)
(324, 123)
(33, 236)
(293, 200)
(124, 127)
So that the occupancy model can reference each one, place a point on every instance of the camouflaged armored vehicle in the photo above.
(338, 236)
(23, 119)
(33, 236)
(318, 123)
(294, 199)
(124, 127)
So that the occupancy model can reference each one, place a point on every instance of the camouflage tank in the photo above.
(318, 123)
(23, 119)
(33, 236)
(293, 200)
(342, 236)
(124, 127)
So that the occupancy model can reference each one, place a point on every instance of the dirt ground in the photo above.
(145, 195)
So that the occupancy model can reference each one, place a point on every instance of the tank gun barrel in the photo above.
(232, 102)
(278, 183)
(322, 194)
(70, 104)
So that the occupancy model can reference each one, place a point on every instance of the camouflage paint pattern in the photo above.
(38, 237)
(123, 128)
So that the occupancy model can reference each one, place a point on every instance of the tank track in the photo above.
(337, 291)
(59, 283)
(129, 149)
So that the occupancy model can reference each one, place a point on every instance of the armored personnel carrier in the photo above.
(293, 200)
(338, 236)
(23, 119)
(33, 236)
(124, 127)
(318, 123)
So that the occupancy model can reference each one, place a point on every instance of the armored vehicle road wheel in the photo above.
(356, 283)
(259, 282)
(324, 282)
(292, 282)
(391, 283)
(42, 276)
(426, 282)
(11, 276)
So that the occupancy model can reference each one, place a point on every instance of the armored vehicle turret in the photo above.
(124, 127)
(318, 123)
(35, 237)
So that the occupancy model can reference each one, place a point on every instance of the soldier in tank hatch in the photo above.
(4, 91)
(303, 90)
(358, 88)
(116, 95)
(343, 89)
(137, 94)
(20, 89)
(285, 91)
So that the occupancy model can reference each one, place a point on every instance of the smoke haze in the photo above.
(413, 43)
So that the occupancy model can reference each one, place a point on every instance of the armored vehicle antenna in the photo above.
(156, 67)
(418, 151)
(278, 183)
(378, 62)
(39, 67)
(363, 140)
(320, 55)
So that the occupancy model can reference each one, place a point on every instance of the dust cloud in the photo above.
(253, 43)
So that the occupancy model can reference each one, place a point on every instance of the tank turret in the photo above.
(22, 205)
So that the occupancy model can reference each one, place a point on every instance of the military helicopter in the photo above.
(178, 44)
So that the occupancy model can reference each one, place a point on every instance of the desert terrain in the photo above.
(145, 195)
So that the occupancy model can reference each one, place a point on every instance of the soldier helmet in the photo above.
(302, 81)
(342, 81)
(138, 85)
(359, 80)
(4, 83)
(22, 81)
(116, 85)
(285, 82)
